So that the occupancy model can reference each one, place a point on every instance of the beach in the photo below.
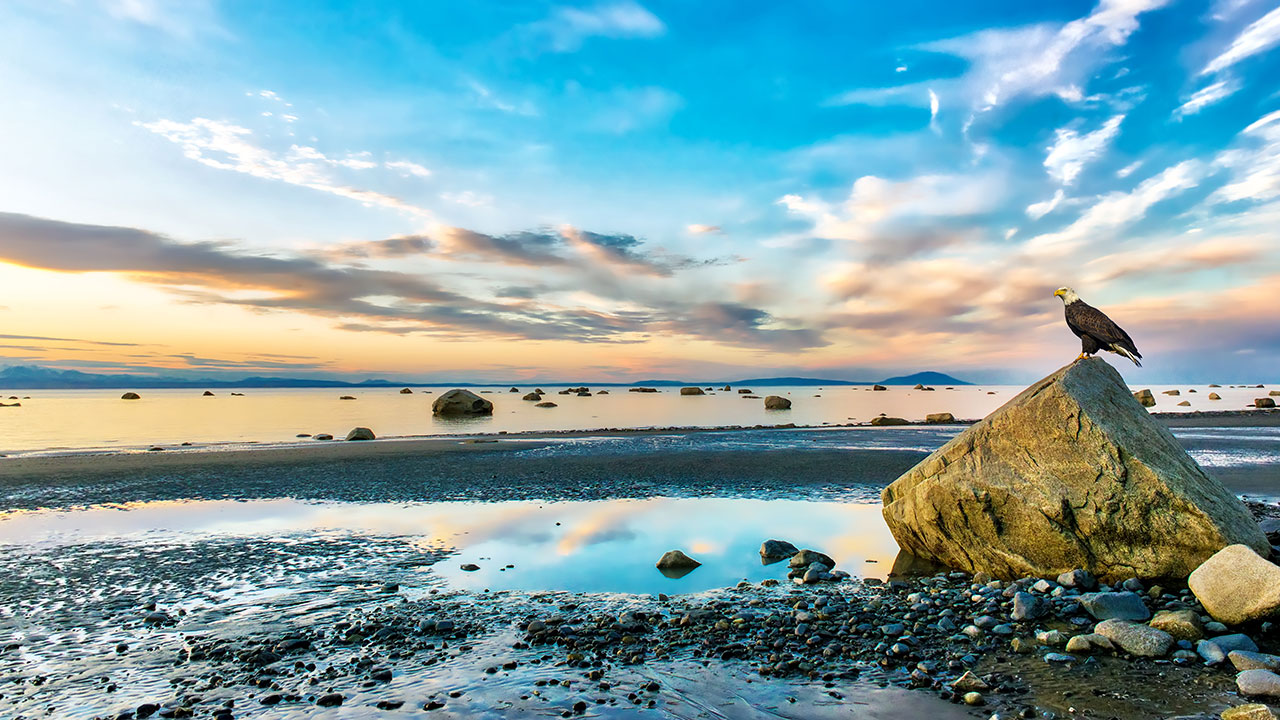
(279, 579)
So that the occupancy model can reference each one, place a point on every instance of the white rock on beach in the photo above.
(1236, 585)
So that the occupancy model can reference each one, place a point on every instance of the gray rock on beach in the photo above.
(777, 402)
(1136, 638)
(1115, 606)
(1264, 402)
(1181, 624)
(1215, 650)
(1071, 474)
(885, 420)
(461, 402)
(361, 433)
(1258, 683)
(942, 417)
(1237, 585)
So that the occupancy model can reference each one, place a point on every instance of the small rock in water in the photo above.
(1254, 711)
(1115, 606)
(968, 682)
(1258, 682)
(1136, 638)
(805, 558)
(361, 433)
(675, 559)
(470, 567)
(777, 550)
(1181, 624)
(1058, 658)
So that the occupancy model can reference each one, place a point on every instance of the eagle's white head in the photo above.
(1067, 294)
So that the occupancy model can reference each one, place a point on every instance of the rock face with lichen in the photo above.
(1071, 473)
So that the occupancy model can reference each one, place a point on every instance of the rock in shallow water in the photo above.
(1136, 638)
(1215, 649)
(1253, 711)
(461, 402)
(777, 550)
(1258, 682)
(676, 560)
(1181, 624)
(1115, 606)
(1072, 473)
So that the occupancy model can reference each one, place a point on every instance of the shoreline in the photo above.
(100, 460)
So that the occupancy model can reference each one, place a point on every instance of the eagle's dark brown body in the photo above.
(1097, 332)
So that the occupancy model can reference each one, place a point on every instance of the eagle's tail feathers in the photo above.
(1122, 351)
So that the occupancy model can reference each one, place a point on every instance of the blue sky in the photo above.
(623, 189)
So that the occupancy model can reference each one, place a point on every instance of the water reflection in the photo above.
(593, 546)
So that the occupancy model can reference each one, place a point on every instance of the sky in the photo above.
(616, 190)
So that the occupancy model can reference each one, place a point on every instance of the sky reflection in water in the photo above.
(597, 546)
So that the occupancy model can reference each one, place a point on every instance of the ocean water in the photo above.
(95, 419)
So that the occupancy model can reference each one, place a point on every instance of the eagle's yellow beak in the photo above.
(1057, 293)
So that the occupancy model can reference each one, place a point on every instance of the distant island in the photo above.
(30, 377)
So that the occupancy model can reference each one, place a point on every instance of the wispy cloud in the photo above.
(566, 29)
(1262, 35)
(1071, 151)
(1206, 96)
(1035, 211)
(225, 146)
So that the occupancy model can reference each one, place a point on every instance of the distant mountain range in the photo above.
(28, 377)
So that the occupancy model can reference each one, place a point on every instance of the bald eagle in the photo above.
(1095, 330)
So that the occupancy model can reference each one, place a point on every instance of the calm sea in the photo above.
(63, 420)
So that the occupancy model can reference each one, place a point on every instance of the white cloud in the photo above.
(933, 108)
(1044, 59)
(225, 146)
(1129, 169)
(1205, 97)
(1035, 211)
(1071, 151)
(467, 198)
(875, 201)
(1119, 209)
(1255, 166)
(700, 229)
(1260, 36)
(490, 99)
(408, 168)
(624, 110)
(568, 28)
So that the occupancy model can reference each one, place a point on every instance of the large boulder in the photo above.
(1071, 473)
(1237, 585)
(461, 402)
(131, 396)
(777, 402)
(691, 391)
(361, 433)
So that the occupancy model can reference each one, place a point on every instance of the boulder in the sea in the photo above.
(744, 391)
(777, 550)
(361, 433)
(777, 402)
(676, 560)
(346, 397)
(1274, 393)
(1215, 396)
(1072, 473)
(879, 388)
(532, 397)
(919, 386)
(322, 436)
(131, 396)
(884, 420)
(1237, 585)
(1173, 393)
(691, 391)
(514, 390)
(942, 417)
(461, 402)
(1264, 402)
(406, 391)
(206, 393)
(1145, 397)
(546, 404)
(1185, 403)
